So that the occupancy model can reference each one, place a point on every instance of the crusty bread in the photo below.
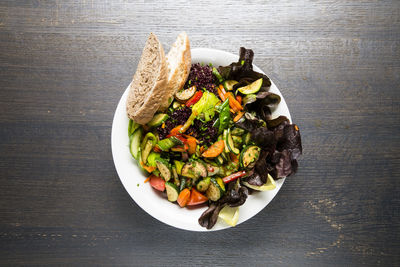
(179, 61)
(149, 82)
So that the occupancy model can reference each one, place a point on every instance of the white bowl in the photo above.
(152, 201)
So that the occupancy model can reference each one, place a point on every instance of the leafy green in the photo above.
(206, 106)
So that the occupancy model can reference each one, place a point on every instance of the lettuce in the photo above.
(205, 107)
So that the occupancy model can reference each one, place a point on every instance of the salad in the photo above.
(217, 141)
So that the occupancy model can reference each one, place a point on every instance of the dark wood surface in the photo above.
(65, 64)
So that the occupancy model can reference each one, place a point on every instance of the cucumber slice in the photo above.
(203, 185)
(134, 145)
(133, 126)
(157, 120)
(172, 191)
(252, 88)
(249, 156)
(229, 84)
(162, 166)
(230, 144)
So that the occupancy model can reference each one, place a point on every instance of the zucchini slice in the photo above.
(147, 145)
(247, 138)
(238, 131)
(220, 160)
(203, 185)
(157, 120)
(162, 166)
(249, 156)
(194, 170)
(168, 143)
(224, 135)
(212, 170)
(176, 105)
(231, 145)
(237, 141)
(214, 191)
(179, 166)
(134, 145)
(186, 94)
(229, 84)
(177, 182)
(172, 191)
(252, 88)
(146, 151)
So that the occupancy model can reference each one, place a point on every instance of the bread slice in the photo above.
(179, 61)
(149, 82)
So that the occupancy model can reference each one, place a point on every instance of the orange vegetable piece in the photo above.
(239, 99)
(184, 197)
(238, 116)
(157, 182)
(175, 131)
(234, 158)
(221, 95)
(214, 150)
(192, 143)
(233, 103)
(196, 198)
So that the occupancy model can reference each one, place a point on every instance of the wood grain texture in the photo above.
(65, 64)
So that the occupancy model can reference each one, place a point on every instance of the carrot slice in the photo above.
(192, 143)
(184, 197)
(148, 168)
(214, 150)
(175, 131)
(238, 116)
(221, 95)
(239, 99)
(148, 179)
(221, 87)
(233, 103)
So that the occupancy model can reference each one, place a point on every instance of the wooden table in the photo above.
(65, 64)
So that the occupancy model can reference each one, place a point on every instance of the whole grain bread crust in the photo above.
(142, 110)
(179, 77)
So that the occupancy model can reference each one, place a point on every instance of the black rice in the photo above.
(202, 77)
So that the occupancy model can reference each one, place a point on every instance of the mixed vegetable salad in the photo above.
(217, 141)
